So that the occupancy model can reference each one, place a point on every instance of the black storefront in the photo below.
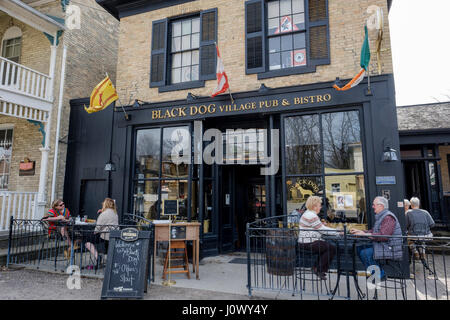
(331, 144)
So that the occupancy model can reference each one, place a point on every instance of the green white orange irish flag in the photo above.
(364, 63)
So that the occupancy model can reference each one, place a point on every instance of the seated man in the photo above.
(418, 221)
(386, 224)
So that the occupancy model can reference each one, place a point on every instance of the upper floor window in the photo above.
(12, 44)
(183, 51)
(285, 37)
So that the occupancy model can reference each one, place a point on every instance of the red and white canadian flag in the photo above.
(222, 79)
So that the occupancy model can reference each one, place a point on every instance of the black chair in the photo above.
(53, 239)
(304, 262)
(395, 277)
(418, 245)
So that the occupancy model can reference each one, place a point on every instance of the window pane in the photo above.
(299, 40)
(186, 61)
(286, 59)
(286, 42)
(176, 29)
(274, 25)
(186, 42)
(342, 142)
(299, 21)
(274, 44)
(175, 139)
(300, 189)
(298, 6)
(195, 25)
(176, 44)
(176, 75)
(176, 60)
(285, 7)
(195, 57)
(303, 149)
(299, 58)
(346, 199)
(274, 9)
(208, 213)
(145, 199)
(275, 61)
(147, 153)
(194, 73)
(195, 40)
(186, 27)
(186, 74)
(176, 190)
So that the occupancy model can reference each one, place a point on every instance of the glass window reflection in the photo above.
(346, 203)
(175, 139)
(145, 199)
(342, 142)
(298, 190)
(147, 153)
(303, 149)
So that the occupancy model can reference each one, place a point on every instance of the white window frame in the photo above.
(7, 127)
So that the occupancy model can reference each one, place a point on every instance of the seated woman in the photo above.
(309, 237)
(56, 216)
(108, 217)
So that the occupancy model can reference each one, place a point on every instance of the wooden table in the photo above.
(192, 234)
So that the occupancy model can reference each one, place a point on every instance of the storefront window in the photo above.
(300, 189)
(148, 144)
(145, 198)
(303, 149)
(158, 171)
(208, 198)
(176, 190)
(348, 204)
(175, 140)
(326, 148)
(342, 142)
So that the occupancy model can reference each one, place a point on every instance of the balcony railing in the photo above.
(17, 78)
(20, 205)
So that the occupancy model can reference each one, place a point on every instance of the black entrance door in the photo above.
(242, 199)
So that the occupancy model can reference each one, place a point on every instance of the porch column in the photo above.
(42, 193)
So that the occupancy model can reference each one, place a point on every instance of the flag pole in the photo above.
(127, 117)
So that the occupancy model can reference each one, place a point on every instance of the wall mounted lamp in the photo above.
(389, 154)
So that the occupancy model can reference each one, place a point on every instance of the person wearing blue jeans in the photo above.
(365, 254)
(386, 224)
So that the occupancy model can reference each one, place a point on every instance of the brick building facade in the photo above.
(282, 59)
(91, 52)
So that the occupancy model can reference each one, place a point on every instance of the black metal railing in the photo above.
(34, 243)
(282, 257)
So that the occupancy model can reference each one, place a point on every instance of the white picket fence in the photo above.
(18, 78)
(20, 205)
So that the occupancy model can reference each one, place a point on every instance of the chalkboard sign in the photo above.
(127, 266)
(178, 232)
(170, 207)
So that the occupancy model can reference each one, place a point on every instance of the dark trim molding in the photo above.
(123, 8)
(182, 86)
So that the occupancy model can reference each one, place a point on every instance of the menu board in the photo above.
(170, 207)
(127, 265)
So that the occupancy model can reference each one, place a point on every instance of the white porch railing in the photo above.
(20, 79)
(20, 205)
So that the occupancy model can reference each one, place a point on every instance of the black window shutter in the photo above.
(159, 54)
(255, 36)
(319, 39)
(208, 38)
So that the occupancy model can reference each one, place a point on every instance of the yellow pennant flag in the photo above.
(102, 96)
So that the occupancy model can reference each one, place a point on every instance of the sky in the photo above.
(420, 39)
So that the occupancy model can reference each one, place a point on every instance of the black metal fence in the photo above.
(277, 261)
(66, 247)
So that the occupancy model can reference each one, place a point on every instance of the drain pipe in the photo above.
(58, 123)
